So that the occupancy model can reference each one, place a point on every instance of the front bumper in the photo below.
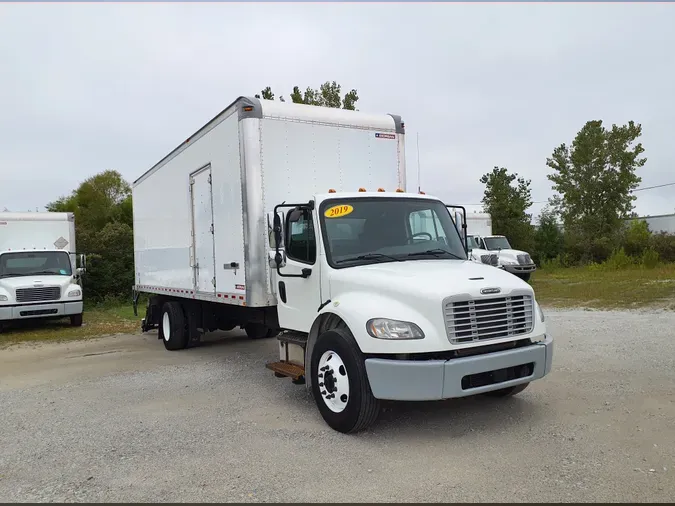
(429, 380)
(519, 269)
(44, 310)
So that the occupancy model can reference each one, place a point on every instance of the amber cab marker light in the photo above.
(331, 190)
(422, 193)
(380, 189)
(399, 190)
(248, 109)
(362, 189)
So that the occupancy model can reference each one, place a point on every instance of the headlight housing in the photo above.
(384, 328)
(75, 293)
(3, 298)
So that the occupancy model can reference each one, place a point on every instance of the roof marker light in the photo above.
(380, 189)
(422, 193)
(399, 190)
(362, 189)
(331, 190)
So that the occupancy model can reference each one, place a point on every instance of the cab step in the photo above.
(293, 338)
(286, 369)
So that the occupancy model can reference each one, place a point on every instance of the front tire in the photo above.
(508, 392)
(340, 383)
(76, 320)
(173, 327)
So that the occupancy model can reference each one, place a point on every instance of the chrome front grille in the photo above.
(41, 294)
(489, 259)
(488, 318)
(524, 259)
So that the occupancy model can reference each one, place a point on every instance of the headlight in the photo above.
(74, 293)
(541, 313)
(3, 298)
(384, 328)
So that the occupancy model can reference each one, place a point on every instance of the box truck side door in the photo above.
(204, 264)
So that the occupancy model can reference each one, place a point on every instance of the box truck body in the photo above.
(292, 221)
(38, 273)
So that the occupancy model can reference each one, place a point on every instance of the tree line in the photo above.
(584, 222)
(587, 218)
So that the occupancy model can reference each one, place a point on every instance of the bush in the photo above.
(664, 245)
(618, 260)
(636, 238)
(649, 259)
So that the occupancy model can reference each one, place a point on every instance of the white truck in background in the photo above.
(495, 250)
(38, 273)
(292, 221)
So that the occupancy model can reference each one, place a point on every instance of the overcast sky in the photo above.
(88, 87)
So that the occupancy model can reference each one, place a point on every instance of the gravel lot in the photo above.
(121, 419)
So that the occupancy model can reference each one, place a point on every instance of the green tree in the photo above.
(507, 204)
(329, 94)
(103, 221)
(548, 239)
(594, 178)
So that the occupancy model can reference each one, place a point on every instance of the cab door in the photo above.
(298, 282)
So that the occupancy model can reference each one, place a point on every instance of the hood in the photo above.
(435, 279)
(12, 284)
(511, 254)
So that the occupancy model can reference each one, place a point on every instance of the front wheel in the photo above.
(340, 383)
(76, 320)
(508, 392)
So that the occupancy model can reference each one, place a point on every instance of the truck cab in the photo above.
(380, 301)
(497, 251)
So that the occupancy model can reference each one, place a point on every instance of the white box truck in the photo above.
(495, 250)
(38, 273)
(293, 220)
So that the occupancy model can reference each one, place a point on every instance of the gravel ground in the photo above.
(121, 419)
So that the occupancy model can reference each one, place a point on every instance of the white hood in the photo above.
(434, 279)
(11, 284)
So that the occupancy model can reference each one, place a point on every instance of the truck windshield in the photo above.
(379, 229)
(30, 263)
(496, 243)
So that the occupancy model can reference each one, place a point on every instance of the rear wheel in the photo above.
(76, 320)
(508, 392)
(259, 331)
(340, 383)
(173, 327)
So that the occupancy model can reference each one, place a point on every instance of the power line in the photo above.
(631, 191)
(652, 187)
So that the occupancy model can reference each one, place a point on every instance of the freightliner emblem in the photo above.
(487, 291)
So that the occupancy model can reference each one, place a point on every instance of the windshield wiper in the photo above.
(45, 273)
(435, 251)
(368, 256)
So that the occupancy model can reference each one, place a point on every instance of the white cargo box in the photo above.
(38, 231)
(202, 221)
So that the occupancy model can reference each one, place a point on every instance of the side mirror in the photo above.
(83, 264)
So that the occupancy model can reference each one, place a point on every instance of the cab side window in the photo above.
(301, 240)
(426, 222)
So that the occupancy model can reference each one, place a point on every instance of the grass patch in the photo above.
(99, 320)
(632, 286)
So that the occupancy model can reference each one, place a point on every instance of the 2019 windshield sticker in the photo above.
(338, 211)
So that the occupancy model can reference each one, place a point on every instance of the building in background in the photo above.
(659, 223)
